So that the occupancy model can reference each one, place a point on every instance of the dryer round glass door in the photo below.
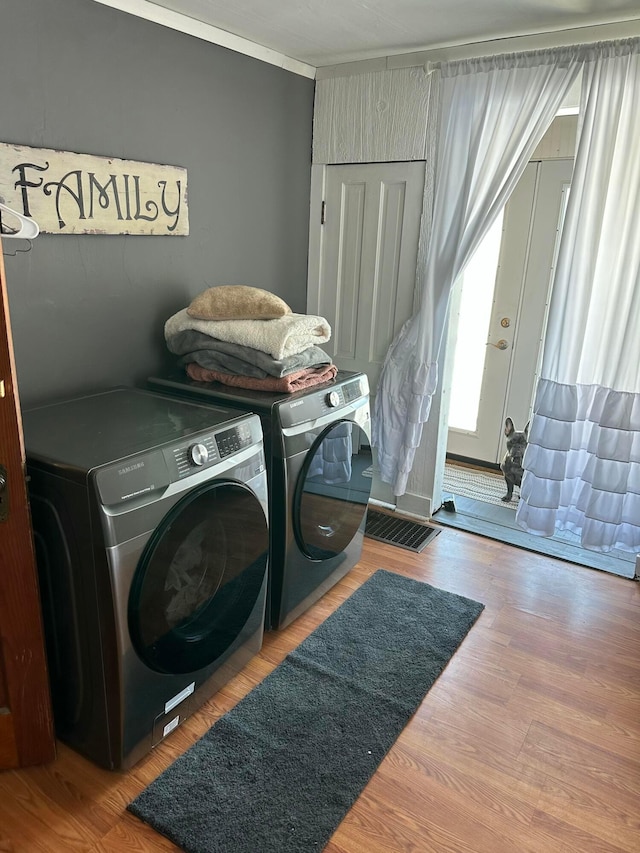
(199, 578)
(330, 501)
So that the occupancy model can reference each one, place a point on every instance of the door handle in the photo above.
(502, 344)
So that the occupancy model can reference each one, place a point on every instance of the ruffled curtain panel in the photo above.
(582, 466)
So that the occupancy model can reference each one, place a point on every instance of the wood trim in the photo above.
(22, 655)
(8, 747)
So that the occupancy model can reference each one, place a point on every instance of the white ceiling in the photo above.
(329, 32)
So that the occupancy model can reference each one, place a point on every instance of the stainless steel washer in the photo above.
(151, 532)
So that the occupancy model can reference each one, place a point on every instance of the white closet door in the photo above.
(364, 269)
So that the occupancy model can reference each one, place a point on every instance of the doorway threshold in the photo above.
(498, 522)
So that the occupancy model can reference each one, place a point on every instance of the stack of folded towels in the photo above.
(249, 338)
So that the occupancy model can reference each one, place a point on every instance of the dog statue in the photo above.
(511, 465)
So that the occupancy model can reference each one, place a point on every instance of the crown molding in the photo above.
(492, 47)
(182, 23)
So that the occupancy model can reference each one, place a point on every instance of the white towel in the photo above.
(288, 335)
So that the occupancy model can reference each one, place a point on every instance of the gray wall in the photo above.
(88, 312)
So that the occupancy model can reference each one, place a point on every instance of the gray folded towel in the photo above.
(212, 354)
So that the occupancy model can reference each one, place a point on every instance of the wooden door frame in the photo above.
(26, 719)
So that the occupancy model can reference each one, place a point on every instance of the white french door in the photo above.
(499, 327)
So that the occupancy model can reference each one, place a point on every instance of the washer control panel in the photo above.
(234, 439)
(142, 474)
(195, 455)
(213, 447)
(199, 454)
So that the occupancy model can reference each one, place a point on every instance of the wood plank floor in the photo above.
(529, 742)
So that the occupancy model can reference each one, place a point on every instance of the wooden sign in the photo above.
(67, 193)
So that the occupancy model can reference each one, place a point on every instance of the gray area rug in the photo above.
(280, 770)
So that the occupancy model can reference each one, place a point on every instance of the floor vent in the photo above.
(412, 535)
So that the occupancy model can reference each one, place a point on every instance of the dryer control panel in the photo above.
(312, 405)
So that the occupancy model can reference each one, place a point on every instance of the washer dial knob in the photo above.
(198, 454)
(333, 399)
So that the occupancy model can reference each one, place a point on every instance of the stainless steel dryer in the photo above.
(150, 524)
(317, 443)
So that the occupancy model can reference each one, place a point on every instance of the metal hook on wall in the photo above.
(19, 251)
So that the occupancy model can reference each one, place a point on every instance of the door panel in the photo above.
(554, 185)
(26, 721)
(515, 331)
(368, 259)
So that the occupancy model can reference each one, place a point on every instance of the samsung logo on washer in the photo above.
(129, 468)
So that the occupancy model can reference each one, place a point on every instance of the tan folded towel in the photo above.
(237, 302)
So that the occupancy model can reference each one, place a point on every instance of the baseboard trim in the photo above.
(382, 504)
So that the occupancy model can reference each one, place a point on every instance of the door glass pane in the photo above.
(199, 578)
(478, 284)
(333, 491)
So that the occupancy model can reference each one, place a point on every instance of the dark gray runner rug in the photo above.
(279, 771)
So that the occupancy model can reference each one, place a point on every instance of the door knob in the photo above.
(502, 344)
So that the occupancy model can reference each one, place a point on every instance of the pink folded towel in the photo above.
(288, 384)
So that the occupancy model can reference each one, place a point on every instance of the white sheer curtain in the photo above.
(582, 466)
(494, 112)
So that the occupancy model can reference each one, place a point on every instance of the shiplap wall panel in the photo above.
(371, 118)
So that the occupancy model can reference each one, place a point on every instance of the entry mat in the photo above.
(484, 486)
(279, 771)
(411, 535)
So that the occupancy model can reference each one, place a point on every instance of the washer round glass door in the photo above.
(199, 578)
(331, 496)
